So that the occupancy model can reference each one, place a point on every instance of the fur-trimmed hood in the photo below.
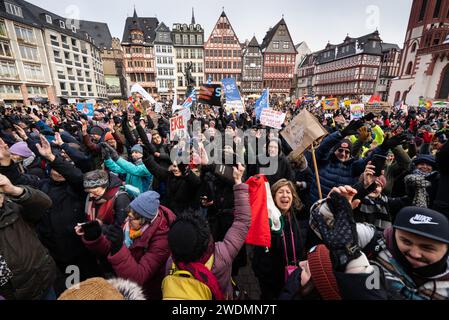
(130, 290)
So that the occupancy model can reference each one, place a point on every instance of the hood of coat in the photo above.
(129, 289)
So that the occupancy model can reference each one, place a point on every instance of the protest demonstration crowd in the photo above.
(135, 203)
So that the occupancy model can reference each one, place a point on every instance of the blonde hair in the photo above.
(296, 203)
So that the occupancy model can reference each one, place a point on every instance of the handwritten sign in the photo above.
(272, 118)
(357, 111)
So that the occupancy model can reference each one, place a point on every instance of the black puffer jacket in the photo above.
(32, 266)
(57, 228)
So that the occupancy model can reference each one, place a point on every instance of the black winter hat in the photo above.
(96, 130)
(189, 237)
(423, 222)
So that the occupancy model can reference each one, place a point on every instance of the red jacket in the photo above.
(144, 262)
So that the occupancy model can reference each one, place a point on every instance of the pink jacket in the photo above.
(226, 251)
(145, 260)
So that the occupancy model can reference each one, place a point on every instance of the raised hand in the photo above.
(5, 155)
(21, 132)
(44, 149)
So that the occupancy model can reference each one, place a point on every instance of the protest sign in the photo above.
(234, 106)
(210, 94)
(72, 101)
(303, 131)
(330, 104)
(86, 108)
(357, 111)
(377, 108)
(178, 127)
(272, 118)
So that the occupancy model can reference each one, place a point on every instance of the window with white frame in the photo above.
(276, 45)
(8, 70)
(48, 19)
(13, 9)
(25, 34)
(6, 88)
(74, 29)
(33, 72)
(36, 90)
(62, 24)
(29, 53)
(286, 45)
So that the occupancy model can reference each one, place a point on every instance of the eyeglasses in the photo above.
(344, 151)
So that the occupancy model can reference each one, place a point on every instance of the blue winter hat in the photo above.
(137, 148)
(147, 204)
(425, 158)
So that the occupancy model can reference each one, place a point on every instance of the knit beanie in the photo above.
(108, 137)
(322, 273)
(137, 148)
(188, 238)
(425, 158)
(21, 149)
(346, 144)
(97, 131)
(146, 205)
(96, 179)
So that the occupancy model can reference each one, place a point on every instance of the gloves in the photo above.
(115, 235)
(112, 152)
(427, 137)
(92, 231)
(364, 135)
(105, 151)
(137, 117)
(146, 152)
(352, 128)
(341, 239)
(369, 117)
(393, 142)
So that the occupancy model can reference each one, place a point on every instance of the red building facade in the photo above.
(279, 54)
(223, 53)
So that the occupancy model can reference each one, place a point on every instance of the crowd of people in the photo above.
(141, 216)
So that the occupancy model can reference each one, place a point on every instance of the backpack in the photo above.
(181, 285)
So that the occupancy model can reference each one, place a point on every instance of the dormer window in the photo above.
(14, 10)
(62, 24)
(74, 29)
(48, 19)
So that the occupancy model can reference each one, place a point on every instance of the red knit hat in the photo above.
(322, 272)
(108, 137)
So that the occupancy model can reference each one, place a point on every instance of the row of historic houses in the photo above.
(157, 57)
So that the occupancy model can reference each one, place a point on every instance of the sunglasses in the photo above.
(344, 151)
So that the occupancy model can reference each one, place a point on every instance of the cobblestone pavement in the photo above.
(246, 278)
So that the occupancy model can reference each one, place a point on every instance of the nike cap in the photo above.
(423, 222)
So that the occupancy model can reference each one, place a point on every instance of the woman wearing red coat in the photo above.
(138, 251)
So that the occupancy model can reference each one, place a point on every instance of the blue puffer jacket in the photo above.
(136, 175)
(333, 172)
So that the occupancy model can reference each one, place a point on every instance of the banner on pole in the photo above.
(210, 94)
(272, 118)
(138, 88)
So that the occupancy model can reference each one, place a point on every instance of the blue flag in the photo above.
(189, 101)
(230, 89)
(262, 103)
(209, 80)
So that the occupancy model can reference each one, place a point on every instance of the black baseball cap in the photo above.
(423, 222)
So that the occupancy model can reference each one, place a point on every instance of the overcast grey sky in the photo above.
(316, 21)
